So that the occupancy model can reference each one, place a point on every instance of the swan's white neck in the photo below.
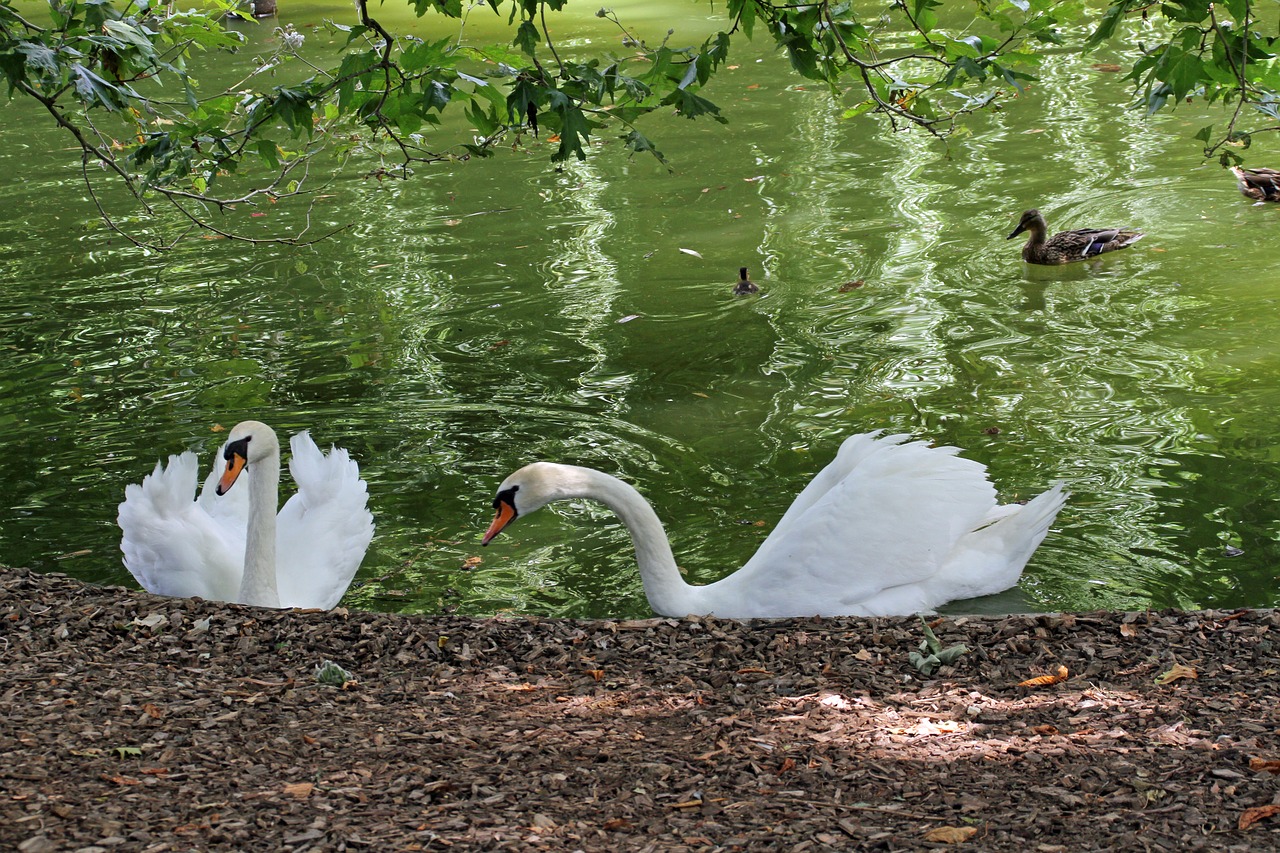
(258, 584)
(667, 592)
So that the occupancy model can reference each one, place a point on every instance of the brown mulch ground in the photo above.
(130, 722)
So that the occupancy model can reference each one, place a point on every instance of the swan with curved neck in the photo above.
(253, 443)
(229, 544)
(890, 527)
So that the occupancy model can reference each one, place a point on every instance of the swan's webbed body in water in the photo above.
(889, 527)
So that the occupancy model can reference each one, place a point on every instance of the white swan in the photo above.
(890, 527)
(229, 545)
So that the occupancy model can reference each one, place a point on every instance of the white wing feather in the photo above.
(324, 530)
(890, 526)
(172, 544)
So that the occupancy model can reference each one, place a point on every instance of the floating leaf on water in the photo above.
(1108, 67)
(852, 285)
(629, 318)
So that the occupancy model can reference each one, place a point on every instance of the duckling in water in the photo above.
(1258, 184)
(745, 285)
(1067, 246)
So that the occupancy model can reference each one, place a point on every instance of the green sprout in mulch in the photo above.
(932, 655)
(328, 672)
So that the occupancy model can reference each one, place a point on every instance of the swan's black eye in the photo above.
(507, 496)
(238, 447)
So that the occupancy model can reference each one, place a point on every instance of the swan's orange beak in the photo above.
(505, 515)
(235, 464)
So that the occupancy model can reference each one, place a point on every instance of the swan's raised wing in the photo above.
(323, 530)
(171, 544)
(885, 513)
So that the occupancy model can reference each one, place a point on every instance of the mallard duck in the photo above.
(1258, 184)
(745, 285)
(1067, 246)
(890, 527)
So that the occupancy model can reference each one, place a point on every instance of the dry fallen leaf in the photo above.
(852, 285)
(597, 674)
(1257, 813)
(152, 711)
(1128, 629)
(1271, 765)
(1106, 66)
(951, 834)
(299, 790)
(1175, 672)
(1045, 680)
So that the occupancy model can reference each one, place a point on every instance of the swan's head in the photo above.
(531, 488)
(249, 442)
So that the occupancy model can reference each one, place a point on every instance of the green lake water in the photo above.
(486, 314)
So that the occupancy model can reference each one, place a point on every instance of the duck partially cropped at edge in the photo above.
(1258, 184)
(745, 286)
(1068, 246)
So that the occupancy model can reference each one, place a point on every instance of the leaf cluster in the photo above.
(116, 78)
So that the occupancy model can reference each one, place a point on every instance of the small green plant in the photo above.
(932, 655)
(328, 672)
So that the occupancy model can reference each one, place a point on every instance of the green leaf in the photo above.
(527, 38)
(574, 130)
(638, 143)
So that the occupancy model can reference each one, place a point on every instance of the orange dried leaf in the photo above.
(1045, 730)
(787, 764)
(1176, 672)
(1270, 765)
(1045, 680)
(951, 834)
(597, 674)
(1257, 813)
(852, 285)
(299, 790)
(152, 711)
(1128, 629)
(121, 780)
